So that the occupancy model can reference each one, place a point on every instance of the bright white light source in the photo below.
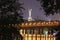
(46, 32)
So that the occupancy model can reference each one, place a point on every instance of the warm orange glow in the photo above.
(47, 23)
(30, 24)
(42, 24)
(54, 21)
(34, 23)
(38, 37)
(26, 24)
(24, 31)
(22, 24)
(57, 22)
(29, 38)
(30, 35)
(38, 23)
(26, 38)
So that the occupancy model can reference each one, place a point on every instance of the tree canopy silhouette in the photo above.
(50, 6)
(10, 11)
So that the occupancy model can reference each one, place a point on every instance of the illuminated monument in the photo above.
(37, 30)
(30, 17)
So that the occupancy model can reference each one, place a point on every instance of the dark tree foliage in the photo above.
(10, 11)
(50, 6)
(9, 33)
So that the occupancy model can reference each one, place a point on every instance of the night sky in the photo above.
(36, 11)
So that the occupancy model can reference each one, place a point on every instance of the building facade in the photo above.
(39, 30)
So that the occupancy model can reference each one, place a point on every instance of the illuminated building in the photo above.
(37, 30)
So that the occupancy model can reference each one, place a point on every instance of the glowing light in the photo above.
(49, 22)
(34, 23)
(30, 35)
(57, 22)
(30, 23)
(43, 37)
(29, 38)
(22, 24)
(38, 23)
(46, 23)
(54, 21)
(45, 31)
(42, 24)
(26, 24)
(21, 31)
